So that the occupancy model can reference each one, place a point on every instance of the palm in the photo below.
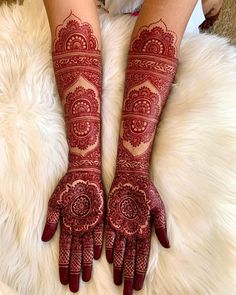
(80, 199)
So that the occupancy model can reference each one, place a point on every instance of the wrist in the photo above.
(91, 162)
(128, 163)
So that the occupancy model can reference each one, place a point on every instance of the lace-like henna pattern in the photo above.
(77, 59)
(133, 201)
(82, 133)
(78, 198)
(151, 68)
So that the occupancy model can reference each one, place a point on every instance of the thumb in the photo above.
(51, 224)
(159, 219)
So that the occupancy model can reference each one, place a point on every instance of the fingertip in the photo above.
(109, 255)
(87, 273)
(97, 252)
(128, 287)
(64, 275)
(162, 237)
(117, 276)
(74, 283)
(49, 231)
(138, 282)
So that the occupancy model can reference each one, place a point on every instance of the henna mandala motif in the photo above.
(143, 102)
(75, 36)
(81, 206)
(138, 131)
(86, 204)
(128, 210)
(130, 202)
(79, 105)
(80, 197)
(155, 40)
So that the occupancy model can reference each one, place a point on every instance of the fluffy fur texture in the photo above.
(226, 23)
(193, 163)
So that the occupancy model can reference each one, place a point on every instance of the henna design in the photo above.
(128, 214)
(78, 198)
(81, 133)
(151, 68)
(77, 59)
(133, 201)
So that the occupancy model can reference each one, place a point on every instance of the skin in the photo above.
(211, 7)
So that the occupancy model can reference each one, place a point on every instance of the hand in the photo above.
(78, 200)
(133, 203)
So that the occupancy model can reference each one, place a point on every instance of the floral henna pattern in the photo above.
(129, 210)
(78, 200)
(151, 68)
(82, 133)
(81, 202)
(78, 67)
(134, 204)
(132, 201)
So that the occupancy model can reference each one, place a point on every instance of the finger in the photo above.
(119, 252)
(129, 266)
(51, 224)
(159, 219)
(98, 237)
(110, 240)
(87, 256)
(142, 255)
(75, 263)
(64, 256)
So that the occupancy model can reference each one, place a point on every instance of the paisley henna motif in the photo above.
(133, 202)
(78, 198)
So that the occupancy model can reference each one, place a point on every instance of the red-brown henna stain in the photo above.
(78, 198)
(133, 201)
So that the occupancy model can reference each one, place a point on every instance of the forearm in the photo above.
(78, 70)
(151, 67)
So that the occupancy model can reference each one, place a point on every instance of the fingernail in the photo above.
(64, 275)
(74, 283)
(97, 252)
(117, 275)
(138, 282)
(109, 255)
(128, 287)
(87, 272)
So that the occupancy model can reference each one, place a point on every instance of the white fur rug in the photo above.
(193, 164)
